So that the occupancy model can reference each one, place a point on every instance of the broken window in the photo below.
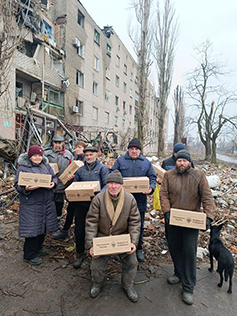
(117, 81)
(80, 19)
(106, 117)
(80, 49)
(96, 63)
(80, 79)
(125, 69)
(95, 113)
(95, 88)
(116, 120)
(107, 73)
(79, 105)
(97, 37)
(108, 50)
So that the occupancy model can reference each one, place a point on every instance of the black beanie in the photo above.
(115, 176)
(183, 154)
(135, 142)
(178, 147)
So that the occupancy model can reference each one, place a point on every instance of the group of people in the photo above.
(112, 211)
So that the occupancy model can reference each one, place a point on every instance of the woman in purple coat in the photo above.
(37, 214)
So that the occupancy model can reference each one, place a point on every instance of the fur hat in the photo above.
(115, 176)
(58, 138)
(178, 147)
(35, 150)
(135, 142)
(183, 154)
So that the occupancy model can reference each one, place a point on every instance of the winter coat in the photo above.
(62, 159)
(186, 191)
(81, 158)
(37, 214)
(99, 222)
(139, 167)
(94, 172)
(169, 163)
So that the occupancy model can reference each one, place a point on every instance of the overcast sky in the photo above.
(198, 21)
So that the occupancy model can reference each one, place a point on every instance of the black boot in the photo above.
(78, 261)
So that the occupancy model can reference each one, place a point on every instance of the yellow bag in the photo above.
(156, 198)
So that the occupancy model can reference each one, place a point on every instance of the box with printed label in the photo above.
(34, 179)
(136, 184)
(190, 219)
(159, 171)
(54, 166)
(109, 245)
(70, 170)
(82, 191)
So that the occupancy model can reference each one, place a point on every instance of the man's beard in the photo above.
(182, 169)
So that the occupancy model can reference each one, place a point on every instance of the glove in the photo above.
(167, 218)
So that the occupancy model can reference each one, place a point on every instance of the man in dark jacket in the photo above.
(185, 188)
(134, 164)
(62, 157)
(93, 170)
(113, 212)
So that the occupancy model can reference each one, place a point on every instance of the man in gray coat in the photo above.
(113, 212)
(62, 157)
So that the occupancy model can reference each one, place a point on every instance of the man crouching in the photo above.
(113, 212)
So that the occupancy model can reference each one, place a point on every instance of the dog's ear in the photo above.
(220, 226)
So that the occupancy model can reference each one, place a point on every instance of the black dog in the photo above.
(222, 255)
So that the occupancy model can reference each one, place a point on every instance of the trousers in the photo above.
(81, 209)
(129, 269)
(182, 244)
(32, 245)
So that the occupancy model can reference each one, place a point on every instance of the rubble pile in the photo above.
(222, 180)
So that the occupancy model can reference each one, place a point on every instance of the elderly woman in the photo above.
(37, 213)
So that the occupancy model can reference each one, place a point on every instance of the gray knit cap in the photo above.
(183, 154)
(115, 176)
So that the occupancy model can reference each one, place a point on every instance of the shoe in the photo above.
(34, 262)
(131, 294)
(61, 235)
(43, 251)
(78, 261)
(173, 279)
(95, 291)
(188, 298)
(140, 256)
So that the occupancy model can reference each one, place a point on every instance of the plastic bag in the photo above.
(156, 198)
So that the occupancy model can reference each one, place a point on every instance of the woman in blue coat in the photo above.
(37, 214)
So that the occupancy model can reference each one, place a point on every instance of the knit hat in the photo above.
(183, 154)
(35, 150)
(135, 142)
(115, 176)
(90, 148)
(58, 138)
(178, 147)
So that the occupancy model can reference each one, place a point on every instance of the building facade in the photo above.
(82, 74)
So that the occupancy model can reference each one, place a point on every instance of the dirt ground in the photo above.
(56, 288)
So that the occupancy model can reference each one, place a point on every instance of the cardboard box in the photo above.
(54, 167)
(82, 191)
(110, 245)
(159, 171)
(34, 179)
(70, 170)
(136, 184)
(188, 219)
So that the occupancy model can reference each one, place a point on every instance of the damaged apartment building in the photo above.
(68, 67)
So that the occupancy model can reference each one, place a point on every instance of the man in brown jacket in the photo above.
(185, 188)
(113, 212)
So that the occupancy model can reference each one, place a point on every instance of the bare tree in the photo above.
(142, 48)
(179, 114)
(204, 87)
(166, 33)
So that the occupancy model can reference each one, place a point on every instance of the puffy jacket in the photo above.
(139, 167)
(94, 172)
(63, 159)
(99, 223)
(186, 191)
(37, 214)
